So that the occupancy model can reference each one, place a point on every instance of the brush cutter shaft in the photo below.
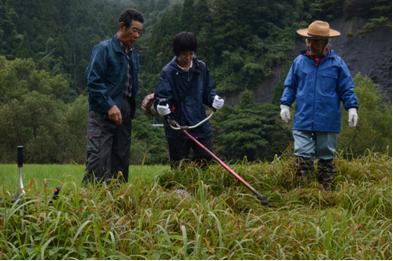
(174, 125)
(231, 171)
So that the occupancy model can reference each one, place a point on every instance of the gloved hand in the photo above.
(218, 102)
(285, 114)
(163, 110)
(353, 117)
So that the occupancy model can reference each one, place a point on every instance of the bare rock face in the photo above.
(369, 53)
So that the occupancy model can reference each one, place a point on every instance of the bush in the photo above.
(375, 120)
(251, 131)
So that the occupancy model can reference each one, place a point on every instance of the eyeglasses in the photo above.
(136, 30)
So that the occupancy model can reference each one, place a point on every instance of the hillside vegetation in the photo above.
(217, 219)
(43, 87)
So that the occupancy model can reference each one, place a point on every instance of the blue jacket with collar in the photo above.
(318, 91)
(187, 93)
(107, 75)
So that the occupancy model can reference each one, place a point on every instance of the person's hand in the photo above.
(353, 117)
(218, 102)
(285, 114)
(163, 109)
(114, 115)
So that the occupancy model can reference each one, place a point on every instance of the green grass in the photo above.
(146, 218)
(55, 174)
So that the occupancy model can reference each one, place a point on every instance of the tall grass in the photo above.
(219, 219)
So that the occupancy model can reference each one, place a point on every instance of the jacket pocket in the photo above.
(328, 82)
(93, 142)
(94, 131)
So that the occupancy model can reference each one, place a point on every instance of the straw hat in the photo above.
(318, 30)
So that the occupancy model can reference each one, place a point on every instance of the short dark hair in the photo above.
(184, 41)
(130, 15)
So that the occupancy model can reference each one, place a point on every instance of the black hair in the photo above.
(130, 15)
(184, 41)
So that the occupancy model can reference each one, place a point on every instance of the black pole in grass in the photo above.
(19, 156)
(263, 199)
(22, 192)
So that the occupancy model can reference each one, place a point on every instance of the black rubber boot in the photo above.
(326, 173)
(305, 167)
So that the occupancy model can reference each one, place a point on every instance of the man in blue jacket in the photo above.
(112, 84)
(318, 80)
(184, 88)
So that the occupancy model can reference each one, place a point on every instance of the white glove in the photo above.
(353, 117)
(218, 102)
(285, 114)
(163, 110)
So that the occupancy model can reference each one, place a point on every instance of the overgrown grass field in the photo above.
(217, 219)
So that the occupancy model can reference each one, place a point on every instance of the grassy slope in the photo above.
(147, 219)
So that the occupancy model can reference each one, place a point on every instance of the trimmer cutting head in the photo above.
(264, 201)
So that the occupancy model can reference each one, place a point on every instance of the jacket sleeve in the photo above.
(209, 89)
(96, 85)
(163, 90)
(346, 87)
(290, 87)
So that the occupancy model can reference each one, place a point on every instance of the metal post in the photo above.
(20, 167)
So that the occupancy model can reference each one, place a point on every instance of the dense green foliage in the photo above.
(374, 131)
(45, 47)
(34, 113)
(59, 35)
(218, 219)
(240, 40)
(250, 130)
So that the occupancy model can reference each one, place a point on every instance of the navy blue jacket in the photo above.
(187, 93)
(107, 75)
(318, 91)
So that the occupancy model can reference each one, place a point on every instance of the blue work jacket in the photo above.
(318, 91)
(187, 93)
(107, 75)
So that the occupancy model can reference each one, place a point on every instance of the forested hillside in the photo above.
(45, 47)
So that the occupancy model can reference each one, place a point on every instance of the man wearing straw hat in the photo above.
(318, 80)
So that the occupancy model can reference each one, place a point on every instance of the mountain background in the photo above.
(248, 45)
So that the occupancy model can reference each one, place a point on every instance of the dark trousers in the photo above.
(179, 149)
(108, 146)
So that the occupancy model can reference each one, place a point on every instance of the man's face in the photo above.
(184, 58)
(131, 34)
(316, 46)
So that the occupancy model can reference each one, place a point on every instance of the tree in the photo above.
(74, 132)
(148, 144)
(32, 111)
(375, 120)
(249, 130)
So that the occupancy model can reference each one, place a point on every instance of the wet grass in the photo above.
(219, 219)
